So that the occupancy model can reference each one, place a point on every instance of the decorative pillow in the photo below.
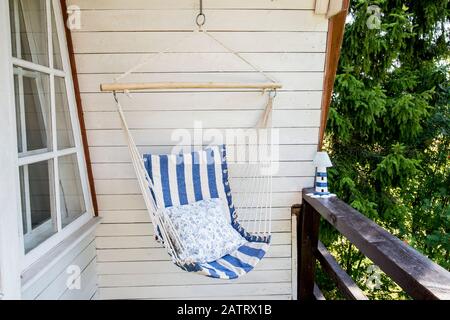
(204, 231)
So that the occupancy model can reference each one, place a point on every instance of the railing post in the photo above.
(308, 237)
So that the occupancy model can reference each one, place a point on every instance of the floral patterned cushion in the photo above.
(204, 230)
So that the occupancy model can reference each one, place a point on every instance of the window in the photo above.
(54, 196)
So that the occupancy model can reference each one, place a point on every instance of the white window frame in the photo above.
(10, 246)
(26, 260)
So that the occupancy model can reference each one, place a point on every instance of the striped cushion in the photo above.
(181, 179)
(233, 265)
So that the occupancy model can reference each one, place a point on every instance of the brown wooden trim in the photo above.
(76, 86)
(336, 25)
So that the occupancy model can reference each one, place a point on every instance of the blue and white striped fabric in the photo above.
(180, 179)
(233, 265)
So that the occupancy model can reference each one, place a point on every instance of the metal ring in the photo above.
(200, 20)
(273, 93)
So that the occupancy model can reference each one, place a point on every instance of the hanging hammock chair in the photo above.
(245, 186)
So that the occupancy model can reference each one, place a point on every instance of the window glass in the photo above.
(38, 205)
(14, 33)
(64, 130)
(33, 110)
(29, 26)
(71, 193)
(57, 60)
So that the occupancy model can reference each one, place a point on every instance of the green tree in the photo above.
(388, 131)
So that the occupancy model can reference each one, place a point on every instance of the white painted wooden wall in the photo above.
(52, 284)
(283, 37)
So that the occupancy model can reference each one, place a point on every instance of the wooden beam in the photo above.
(336, 27)
(321, 7)
(295, 216)
(344, 282)
(121, 87)
(335, 7)
(329, 8)
(417, 275)
(76, 85)
(308, 239)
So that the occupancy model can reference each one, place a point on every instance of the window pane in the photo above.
(14, 33)
(38, 205)
(57, 61)
(32, 91)
(71, 195)
(18, 115)
(29, 18)
(63, 124)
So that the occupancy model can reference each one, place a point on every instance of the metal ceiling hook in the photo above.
(201, 18)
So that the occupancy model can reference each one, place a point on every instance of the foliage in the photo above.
(388, 131)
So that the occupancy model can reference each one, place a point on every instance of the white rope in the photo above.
(153, 57)
(161, 222)
(239, 56)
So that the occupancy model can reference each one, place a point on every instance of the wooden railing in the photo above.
(417, 275)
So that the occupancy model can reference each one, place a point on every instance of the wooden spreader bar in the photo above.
(121, 87)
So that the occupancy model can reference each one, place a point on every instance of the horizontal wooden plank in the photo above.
(190, 4)
(134, 202)
(304, 81)
(126, 171)
(154, 101)
(136, 242)
(122, 155)
(194, 291)
(139, 216)
(131, 186)
(200, 62)
(140, 280)
(148, 42)
(218, 20)
(163, 137)
(208, 119)
(158, 267)
(146, 229)
(160, 254)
